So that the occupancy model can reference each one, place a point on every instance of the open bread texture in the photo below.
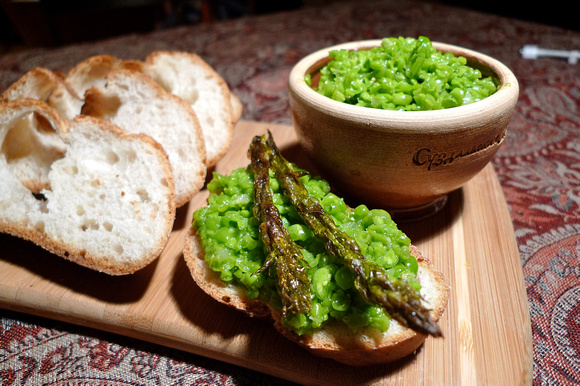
(137, 104)
(335, 340)
(183, 74)
(110, 202)
(93, 72)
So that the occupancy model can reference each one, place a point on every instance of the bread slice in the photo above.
(136, 104)
(189, 77)
(209, 281)
(335, 340)
(183, 74)
(110, 206)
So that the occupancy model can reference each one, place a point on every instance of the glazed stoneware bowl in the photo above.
(404, 161)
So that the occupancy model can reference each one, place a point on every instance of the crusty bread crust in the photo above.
(336, 340)
(34, 145)
(237, 107)
(228, 294)
(92, 72)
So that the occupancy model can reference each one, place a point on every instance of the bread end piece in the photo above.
(337, 341)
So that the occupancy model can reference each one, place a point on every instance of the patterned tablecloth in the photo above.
(538, 167)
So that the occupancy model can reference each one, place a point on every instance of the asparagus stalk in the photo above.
(293, 284)
(398, 298)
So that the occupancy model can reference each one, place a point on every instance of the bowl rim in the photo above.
(505, 97)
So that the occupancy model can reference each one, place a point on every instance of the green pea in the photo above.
(344, 278)
(297, 321)
(340, 301)
(299, 232)
(321, 280)
(319, 314)
(248, 242)
(361, 211)
(402, 99)
(378, 318)
(356, 320)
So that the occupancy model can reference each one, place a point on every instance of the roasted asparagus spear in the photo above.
(398, 298)
(293, 283)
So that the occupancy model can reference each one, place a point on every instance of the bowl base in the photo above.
(418, 212)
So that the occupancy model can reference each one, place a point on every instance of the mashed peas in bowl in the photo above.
(399, 123)
(402, 74)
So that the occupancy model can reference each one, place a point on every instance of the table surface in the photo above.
(538, 167)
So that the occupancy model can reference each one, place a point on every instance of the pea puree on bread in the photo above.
(231, 241)
(371, 296)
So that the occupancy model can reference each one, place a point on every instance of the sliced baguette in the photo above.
(336, 340)
(110, 206)
(136, 104)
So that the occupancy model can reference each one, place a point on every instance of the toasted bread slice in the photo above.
(110, 206)
(335, 340)
(136, 104)
(209, 281)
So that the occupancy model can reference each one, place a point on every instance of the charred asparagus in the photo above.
(293, 283)
(398, 298)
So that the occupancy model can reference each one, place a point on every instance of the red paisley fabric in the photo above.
(538, 167)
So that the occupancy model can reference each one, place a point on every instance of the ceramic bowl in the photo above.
(404, 161)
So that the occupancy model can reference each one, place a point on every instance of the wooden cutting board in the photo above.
(487, 334)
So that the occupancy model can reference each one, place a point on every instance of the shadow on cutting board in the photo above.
(73, 277)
